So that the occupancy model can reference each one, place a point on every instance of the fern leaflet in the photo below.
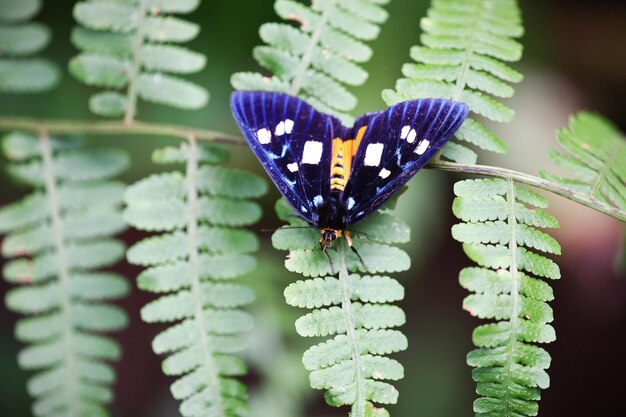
(499, 233)
(317, 60)
(200, 249)
(464, 46)
(20, 72)
(132, 45)
(595, 152)
(60, 238)
(355, 308)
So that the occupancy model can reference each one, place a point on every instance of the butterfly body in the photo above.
(334, 176)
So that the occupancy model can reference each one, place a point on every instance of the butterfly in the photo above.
(334, 176)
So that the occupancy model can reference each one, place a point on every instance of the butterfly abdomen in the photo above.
(337, 177)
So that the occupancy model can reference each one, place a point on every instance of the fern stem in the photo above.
(358, 408)
(63, 271)
(104, 128)
(305, 62)
(513, 271)
(469, 51)
(196, 289)
(131, 93)
(520, 177)
(605, 169)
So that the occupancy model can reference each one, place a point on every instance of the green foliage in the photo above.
(199, 250)
(131, 45)
(464, 46)
(20, 72)
(58, 239)
(498, 234)
(595, 152)
(317, 60)
(351, 367)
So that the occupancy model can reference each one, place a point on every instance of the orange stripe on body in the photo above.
(341, 162)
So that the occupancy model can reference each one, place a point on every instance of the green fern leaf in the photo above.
(128, 45)
(595, 152)
(208, 153)
(199, 211)
(317, 60)
(353, 307)
(171, 247)
(498, 234)
(377, 258)
(24, 40)
(76, 165)
(20, 71)
(319, 292)
(461, 59)
(57, 237)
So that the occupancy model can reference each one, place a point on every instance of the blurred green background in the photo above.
(574, 59)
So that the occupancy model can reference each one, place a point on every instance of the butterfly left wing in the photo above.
(395, 145)
(293, 142)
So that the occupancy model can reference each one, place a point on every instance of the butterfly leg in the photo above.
(330, 261)
(353, 249)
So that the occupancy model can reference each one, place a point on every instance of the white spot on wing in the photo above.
(411, 137)
(280, 129)
(304, 210)
(264, 136)
(318, 200)
(384, 173)
(312, 152)
(288, 126)
(373, 153)
(293, 167)
(350, 203)
(405, 131)
(422, 146)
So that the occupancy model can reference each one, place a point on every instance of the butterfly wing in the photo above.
(396, 144)
(293, 142)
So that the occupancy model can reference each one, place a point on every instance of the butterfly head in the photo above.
(328, 237)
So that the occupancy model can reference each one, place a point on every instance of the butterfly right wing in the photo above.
(293, 142)
(396, 143)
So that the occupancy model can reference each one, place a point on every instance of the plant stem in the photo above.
(63, 272)
(469, 51)
(131, 93)
(528, 179)
(213, 380)
(514, 276)
(597, 186)
(358, 408)
(144, 128)
(305, 62)
(103, 128)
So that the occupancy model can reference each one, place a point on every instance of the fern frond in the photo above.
(131, 45)
(595, 152)
(462, 57)
(58, 238)
(354, 307)
(509, 369)
(320, 58)
(20, 71)
(200, 247)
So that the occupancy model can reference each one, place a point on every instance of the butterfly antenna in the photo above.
(367, 236)
(286, 228)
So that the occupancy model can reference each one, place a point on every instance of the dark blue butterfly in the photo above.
(335, 176)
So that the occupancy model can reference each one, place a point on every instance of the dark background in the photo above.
(575, 58)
